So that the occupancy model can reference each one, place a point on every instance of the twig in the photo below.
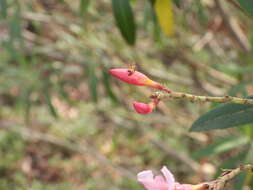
(226, 176)
(196, 98)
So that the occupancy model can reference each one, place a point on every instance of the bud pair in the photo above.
(136, 78)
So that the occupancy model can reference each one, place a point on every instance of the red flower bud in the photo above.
(143, 108)
(135, 78)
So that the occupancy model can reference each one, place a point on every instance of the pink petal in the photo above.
(169, 178)
(147, 179)
(161, 184)
(151, 183)
(159, 178)
(145, 175)
(183, 186)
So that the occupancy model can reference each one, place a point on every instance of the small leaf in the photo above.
(164, 13)
(220, 146)
(177, 3)
(106, 81)
(93, 80)
(15, 29)
(28, 104)
(249, 156)
(225, 116)
(3, 8)
(124, 17)
(247, 5)
(83, 7)
(240, 181)
(49, 104)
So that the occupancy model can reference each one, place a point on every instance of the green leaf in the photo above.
(15, 29)
(177, 3)
(249, 156)
(247, 5)
(3, 8)
(225, 116)
(83, 7)
(220, 146)
(124, 17)
(49, 103)
(106, 81)
(93, 80)
(28, 104)
(240, 181)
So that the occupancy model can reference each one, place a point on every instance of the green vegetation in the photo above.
(65, 123)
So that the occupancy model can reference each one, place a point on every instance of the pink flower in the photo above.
(135, 78)
(164, 183)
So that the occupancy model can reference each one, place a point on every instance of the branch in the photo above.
(226, 176)
(196, 98)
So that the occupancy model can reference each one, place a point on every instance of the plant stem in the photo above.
(227, 175)
(196, 98)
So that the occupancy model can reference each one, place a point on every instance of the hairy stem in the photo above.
(196, 98)
(226, 176)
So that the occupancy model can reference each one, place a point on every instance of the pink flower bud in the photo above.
(136, 78)
(143, 108)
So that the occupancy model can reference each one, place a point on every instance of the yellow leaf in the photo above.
(163, 10)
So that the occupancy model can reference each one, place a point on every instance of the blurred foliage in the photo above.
(65, 124)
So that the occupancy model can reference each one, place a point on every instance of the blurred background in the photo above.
(66, 124)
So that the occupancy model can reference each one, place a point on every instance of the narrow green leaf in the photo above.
(177, 3)
(124, 17)
(247, 5)
(106, 81)
(49, 104)
(28, 104)
(201, 13)
(156, 28)
(147, 14)
(83, 7)
(249, 156)
(220, 146)
(15, 28)
(92, 80)
(225, 116)
(240, 181)
(3, 8)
